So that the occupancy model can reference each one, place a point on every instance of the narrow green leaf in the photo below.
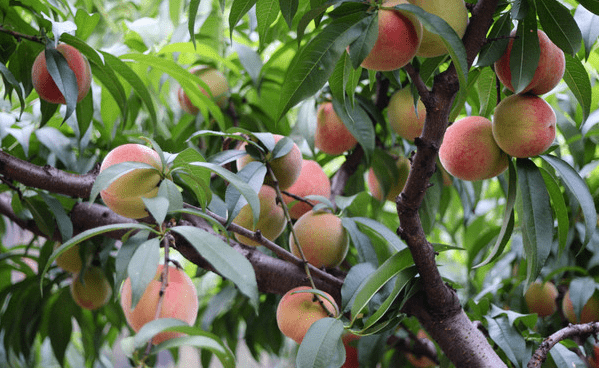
(288, 9)
(65, 225)
(267, 12)
(357, 121)
(142, 268)
(581, 290)
(239, 8)
(383, 231)
(191, 23)
(201, 340)
(64, 77)
(579, 189)
(61, 310)
(493, 50)
(564, 357)
(361, 242)
(10, 78)
(112, 173)
(322, 346)
(253, 173)
(591, 5)
(507, 338)
(559, 24)
(559, 207)
(525, 53)
(487, 92)
(577, 79)
(360, 48)
(589, 27)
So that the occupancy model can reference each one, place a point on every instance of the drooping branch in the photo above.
(581, 330)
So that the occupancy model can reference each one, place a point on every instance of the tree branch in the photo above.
(583, 330)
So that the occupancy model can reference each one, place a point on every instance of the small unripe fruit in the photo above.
(403, 117)
(91, 291)
(124, 195)
(312, 181)
(540, 298)
(469, 151)
(398, 39)
(590, 311)
(550, 69)
(286, 168)
(323, 239)
(331, 135)
(297, 312)
(216, 81)
(271, 221)
(45, 86)
(403, 165)
(454, 12)
(180, 301)
(70, 260)
(524, 125)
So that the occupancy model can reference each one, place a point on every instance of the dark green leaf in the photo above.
(507, 338)
(525, 53)
(322, 346)
(142, 268)
(193, 11)
(239, 8)
(497, 41)
(577, 79)
(360, 48)
(559, 207)
(64, 77)
(357, 121)
(61, 310)
(559, 25)
(267, 12)
(288, 9)
(487, 92)
(592, 5)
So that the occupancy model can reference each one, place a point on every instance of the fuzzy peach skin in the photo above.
(44, 84)
(180, 301)
(454, 12)
(323, 239)
(312, 181)
(550, 70)
(524, 125)
(590, 311)
(331, 135)
(286, 169)
(398, 39)
(271, 221)
(403, 117)
(469, 151)
(93, 291)
(540, 298)
(403, 164)
(216, 81)
(297, 312)
(124, 195)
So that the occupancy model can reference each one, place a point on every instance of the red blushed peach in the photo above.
(180, 301)
(540, 298)
(297, 312)
(286, 169)
(323, 239)
(216, 81)
(550, 70)
(312, 181)
(271, 222)
(524, 125)
(469, 151)
(332, 136)
(403, 165)
(403, 117)
(398, 39)
(91, 290)
(45, 86)
(590, 311)
(351, 352)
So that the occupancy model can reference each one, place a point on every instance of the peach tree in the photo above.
(448, 256)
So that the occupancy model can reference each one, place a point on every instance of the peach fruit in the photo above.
(550, 70)
(399, 37)
(524, 125)
(469, 151)
(540, 298)
(454, 12)
(297, 312)
(331, 135)
(312, 181)
(180, 301)
(590, 311)
(403, 117)
(403, 165)
(124, 195)
(45, 86)
(70, 260)
(271, 222)
(91, 290)
(286, 168)
(216, 81)
(422, 361)
(323, 239)
(351, 352)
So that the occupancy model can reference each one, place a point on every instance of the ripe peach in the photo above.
(93, 291)
(323, 239)
(123, 195)
(332, 136)
(180, 301)
(297, 312)
(286, 169)
(422, 361)
(550, 70)
(454, 12)
(312, 181)
(271, 222)
(403, 117)
(403, 165)
(398, 39)
(351, 352)
(590, 311)
(524, 125)
(216, 81)
(540, 298)
(45, 86)
(469, 151)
